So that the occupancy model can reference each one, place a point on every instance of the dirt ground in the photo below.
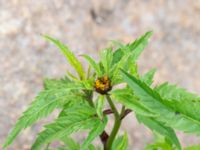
(87, 26)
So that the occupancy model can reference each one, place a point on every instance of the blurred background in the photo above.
(88, 26)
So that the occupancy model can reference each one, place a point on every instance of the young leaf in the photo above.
(136, 48)
(127, 57)
(166, 114)
(69, 55)
(94, 65)
(96, 131)
(121, 143)
(139, 44)
(106, 57)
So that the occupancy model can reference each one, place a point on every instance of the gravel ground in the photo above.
(87, 26)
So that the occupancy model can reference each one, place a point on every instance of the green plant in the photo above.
(81, 101)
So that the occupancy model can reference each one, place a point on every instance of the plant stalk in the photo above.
(117, 124)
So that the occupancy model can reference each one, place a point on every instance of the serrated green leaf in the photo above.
(126, 97)
(69, 55)
(121, 143)
(139, 44)
(173, 92)
(136, 48)
(127, 57)
(55, 83)
(96, 131)
(160, 128)
(77, 118)
(166, 114)
(180, 99)
(93, 64)
(57, 94)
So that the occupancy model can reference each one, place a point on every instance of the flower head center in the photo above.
(103, 85)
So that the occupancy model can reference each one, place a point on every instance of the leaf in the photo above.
(173, 92)
(116, 44)
(55, 83)
(138, 45)
(69, 55)
(193, 147)
(99, 105)
(57, 94)
(160, 128)
(159, 146)
(88, 72)
(148, 77)
(121, 143)
(117, 55)
(93, 64)
(133, 50)
(96, 131)
(136, 48)
(180, 99)
(72, 76)
(166, 114)
(86, 84)
(77, 118)
(71, 144)
(106, 57)
(91, 147)
(127, 57)
(125, 97)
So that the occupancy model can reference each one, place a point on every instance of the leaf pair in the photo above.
(56, 94)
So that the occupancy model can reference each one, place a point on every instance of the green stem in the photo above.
(114, 109)
(117, 124)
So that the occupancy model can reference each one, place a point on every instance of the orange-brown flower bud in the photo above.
(103, 85)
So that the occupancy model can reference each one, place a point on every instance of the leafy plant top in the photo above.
(85, 100)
